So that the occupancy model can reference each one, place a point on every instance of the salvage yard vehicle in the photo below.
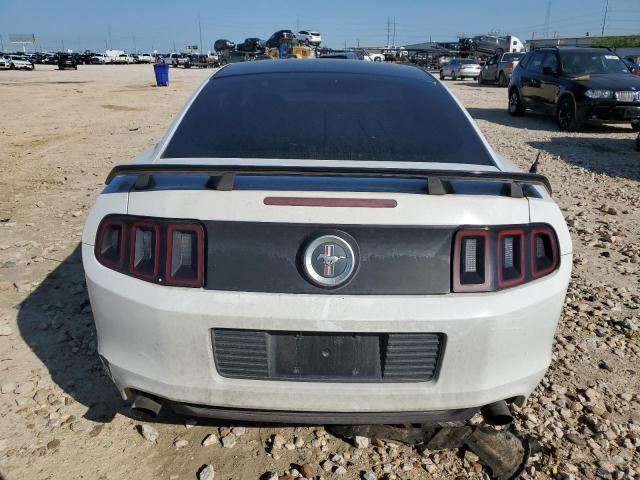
(18, 62)
(145, 58)
(460, 68)
(499, 68)
(312, 38)
(356, 253)
(67, 60)
(178, 60)
(576, 85)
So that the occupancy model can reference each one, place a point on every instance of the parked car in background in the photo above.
(275, 39)
(499, 68)
(123, 59)
(576, 85)
(224, 45)
(202, 61)
(492, 44)
(312, 38)
(343, 54)
(67, 61)
(371, 56)
(5, 62)
(178, 60)
(19, 62)
(100, 59)
(251, 45)
(145, 58)
(460, 68)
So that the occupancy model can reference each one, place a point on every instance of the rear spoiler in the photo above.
(222, 177)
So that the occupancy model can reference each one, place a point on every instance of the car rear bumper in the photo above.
(157, 340)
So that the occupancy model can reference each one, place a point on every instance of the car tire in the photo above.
(75, 67)
(566, 114)
(12, 67)
(635, 126)
(480, 80)
(453, 76)
(441, 75)
(377, 59)
(502, 80)
(516, 108)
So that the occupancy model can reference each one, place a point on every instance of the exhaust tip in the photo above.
(146, 404)
(497, 413)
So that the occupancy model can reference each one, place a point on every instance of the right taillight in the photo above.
(158, 250)
(494, 258)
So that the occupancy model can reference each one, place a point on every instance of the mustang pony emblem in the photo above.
(330, 259)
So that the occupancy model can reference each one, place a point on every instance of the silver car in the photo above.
(460, 68)
(499, 68)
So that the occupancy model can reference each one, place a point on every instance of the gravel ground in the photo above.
(61, 418)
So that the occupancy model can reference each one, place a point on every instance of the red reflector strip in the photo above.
(330, 202)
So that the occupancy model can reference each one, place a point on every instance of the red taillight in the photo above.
(496, 257)
(510, 65)
(159, 251)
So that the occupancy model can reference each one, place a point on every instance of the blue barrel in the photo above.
(162, 74)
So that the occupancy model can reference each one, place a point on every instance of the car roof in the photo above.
(321, 66)
(577, 49)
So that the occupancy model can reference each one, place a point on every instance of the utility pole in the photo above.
(1, 44)
(174, 46)
(394, 31)
(135, 46)
(388, 29)
(358, 41)
(106, 46)
(604, 20)
(62, 41)
(200, 32)
(547, 19)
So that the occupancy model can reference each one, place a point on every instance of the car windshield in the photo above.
(327, 116)
(580, 63)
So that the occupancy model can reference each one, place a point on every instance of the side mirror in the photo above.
(548, 71)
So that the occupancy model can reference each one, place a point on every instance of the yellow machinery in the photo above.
(291, 48)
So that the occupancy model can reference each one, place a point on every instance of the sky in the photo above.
(144, 25)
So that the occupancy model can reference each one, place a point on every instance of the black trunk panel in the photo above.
(265, 257)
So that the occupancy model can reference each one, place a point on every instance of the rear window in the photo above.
(327, 116)
(510, 57)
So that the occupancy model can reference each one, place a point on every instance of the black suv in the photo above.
(67, 60)
(576, 85)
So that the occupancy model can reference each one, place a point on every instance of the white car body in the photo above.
(4, 62)
(18, 62)
(145, 58)
(372, 56)
(313, 38)
(100, 58)
(156, 340)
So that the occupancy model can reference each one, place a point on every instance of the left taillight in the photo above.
(155, 250)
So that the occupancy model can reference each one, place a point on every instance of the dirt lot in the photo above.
(60, 417)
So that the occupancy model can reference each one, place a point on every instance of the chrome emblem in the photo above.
(329, 261)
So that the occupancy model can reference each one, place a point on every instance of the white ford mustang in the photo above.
(325, 241)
